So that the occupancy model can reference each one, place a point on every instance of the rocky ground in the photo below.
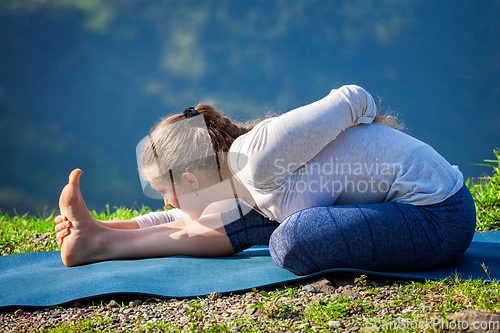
(243, 312)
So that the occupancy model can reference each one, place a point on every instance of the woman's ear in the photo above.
(191, 179)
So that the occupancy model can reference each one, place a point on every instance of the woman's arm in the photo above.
(125, 224)
(157, 218)
(138, 222)
(209, 221)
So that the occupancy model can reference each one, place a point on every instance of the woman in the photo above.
(326, 185)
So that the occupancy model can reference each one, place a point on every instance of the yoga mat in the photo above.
(40, 279)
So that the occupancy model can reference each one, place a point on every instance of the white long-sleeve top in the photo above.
(156, 218)
(330, 153)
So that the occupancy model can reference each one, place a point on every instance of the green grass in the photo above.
(486, 194)
(21, 234)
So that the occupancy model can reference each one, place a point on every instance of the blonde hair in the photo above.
(389, 119)
(179, 148)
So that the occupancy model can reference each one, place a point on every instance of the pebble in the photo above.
(324, 286)
(334, 324)
(134, 303)
(214, 296)
(113, 304)
(310, 288)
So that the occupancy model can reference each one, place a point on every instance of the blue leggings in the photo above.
(380, 237)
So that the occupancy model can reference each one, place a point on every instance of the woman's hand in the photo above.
(62, 228)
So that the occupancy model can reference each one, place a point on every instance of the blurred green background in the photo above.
(82, 81)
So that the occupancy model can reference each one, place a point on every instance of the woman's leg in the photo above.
(88, 241)
(380, 237)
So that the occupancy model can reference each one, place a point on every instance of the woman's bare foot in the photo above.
(79, 238)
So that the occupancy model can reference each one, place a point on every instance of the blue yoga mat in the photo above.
(40, 279)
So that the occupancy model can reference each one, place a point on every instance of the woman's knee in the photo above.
(286, 248)
(277, 250)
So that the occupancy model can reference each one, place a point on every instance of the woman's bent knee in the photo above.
(286, 250)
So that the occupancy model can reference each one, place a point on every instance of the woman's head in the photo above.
(180, 148)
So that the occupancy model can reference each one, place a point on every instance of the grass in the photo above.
(379, 305)
(486, 194)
